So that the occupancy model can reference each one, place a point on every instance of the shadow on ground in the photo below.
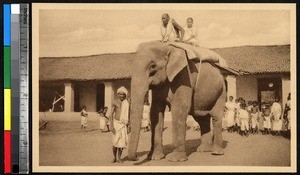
(191, 147)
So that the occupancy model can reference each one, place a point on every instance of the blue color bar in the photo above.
(7, 20)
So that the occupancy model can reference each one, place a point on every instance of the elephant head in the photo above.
(156, 64)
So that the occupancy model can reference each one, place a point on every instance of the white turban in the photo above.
(123, 89)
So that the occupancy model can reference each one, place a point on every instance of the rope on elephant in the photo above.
(199, 68)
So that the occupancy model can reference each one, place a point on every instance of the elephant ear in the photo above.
(177, 61)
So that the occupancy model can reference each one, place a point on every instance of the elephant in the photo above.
(172, 77)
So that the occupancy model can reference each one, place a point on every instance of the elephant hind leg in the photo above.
(205, 132)
(217, 116)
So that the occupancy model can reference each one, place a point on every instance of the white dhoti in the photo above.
(254, 121)
(230, 118)
(277, 125)
(244, 124)
(84, 121)
(103, 122)
(120, 139)
(267, 122)
(145, 120)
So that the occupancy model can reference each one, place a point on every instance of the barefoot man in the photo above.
(119, 121)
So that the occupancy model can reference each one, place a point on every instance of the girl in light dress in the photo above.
(254, 117)
(266, 112)
(103, 119)
(190, 35)
(84, 116)
(244, 118)
(146, 117)
(230, 113)
(276, 111)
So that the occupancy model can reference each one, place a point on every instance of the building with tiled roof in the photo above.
(93, 80)
(257, 59)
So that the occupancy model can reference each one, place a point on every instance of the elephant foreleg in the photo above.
(180, 105)
(157, 125)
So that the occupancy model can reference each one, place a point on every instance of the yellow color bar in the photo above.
(7, 109)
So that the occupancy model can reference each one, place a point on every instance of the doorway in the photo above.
(269, 89)
(100, 96)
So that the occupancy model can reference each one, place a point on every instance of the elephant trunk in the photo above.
(139, 87)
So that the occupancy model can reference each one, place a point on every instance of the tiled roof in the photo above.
(257, 59)
(246, 59)
(96, 67)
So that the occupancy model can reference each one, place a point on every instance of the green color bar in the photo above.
(7, 64)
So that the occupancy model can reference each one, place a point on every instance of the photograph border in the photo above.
(36, 7)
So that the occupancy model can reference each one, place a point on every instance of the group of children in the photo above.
(103, 119)
(249, 118)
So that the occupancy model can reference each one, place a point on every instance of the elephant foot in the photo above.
(177, 157)
(133, 158)
(156, 155)
(205, 148)
(218, 153)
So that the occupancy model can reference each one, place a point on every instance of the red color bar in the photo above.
(7, 156)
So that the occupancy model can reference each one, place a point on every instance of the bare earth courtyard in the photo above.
(63, 143)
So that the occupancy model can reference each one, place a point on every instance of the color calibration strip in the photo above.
(24, 90)
(7, 88)
(15, 85)
(16, 88)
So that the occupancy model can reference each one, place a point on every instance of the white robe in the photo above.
(120, 139)
(168, 33)
(276, 112)
(188, 33)
(146, 116)
(230, 113)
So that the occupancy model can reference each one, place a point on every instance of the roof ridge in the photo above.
(85, 56)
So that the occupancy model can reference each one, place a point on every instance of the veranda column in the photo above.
(69, 97)
(108, 96)
(286, 89)
(231, 86)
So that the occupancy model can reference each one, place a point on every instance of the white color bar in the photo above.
(15, 9)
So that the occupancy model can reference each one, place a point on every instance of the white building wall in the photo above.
(286, 88)
(247, 87)
(231, 86)
(108, 96)
(69, 97)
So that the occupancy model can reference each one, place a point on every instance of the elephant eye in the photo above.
(152, 67)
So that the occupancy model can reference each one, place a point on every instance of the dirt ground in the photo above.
(64, 143)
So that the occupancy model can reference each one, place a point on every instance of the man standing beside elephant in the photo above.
(119, 121)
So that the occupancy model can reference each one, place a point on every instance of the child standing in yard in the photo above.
(84, 116)
(230, 113)
(146, 117)
(254, 117)
(276, 112)
(237, 119)
(266, 112)
(244, 117)
(249, 109)
(104, 120)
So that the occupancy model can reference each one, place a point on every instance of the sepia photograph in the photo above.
(164, 87)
